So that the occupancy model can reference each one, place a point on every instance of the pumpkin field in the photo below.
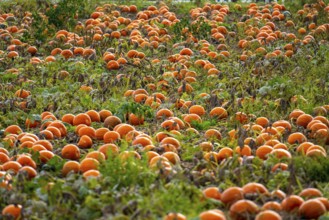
(164, 110)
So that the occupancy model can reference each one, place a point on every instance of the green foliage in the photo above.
(127, 172)
(133, 107)
(63, 14)
(204, 125)
(39, 28)
(199, 29)
(278, 85)
(295, 5)
(279, 180)
(172, 197)
(7, 77)
(10, 6)
(312, 169)
(181, 8)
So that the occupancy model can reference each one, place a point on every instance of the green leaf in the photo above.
(91, 202)
(56, 163)
(86, 100)
(265, 90)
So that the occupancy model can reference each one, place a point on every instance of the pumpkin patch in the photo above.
(164, 110)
